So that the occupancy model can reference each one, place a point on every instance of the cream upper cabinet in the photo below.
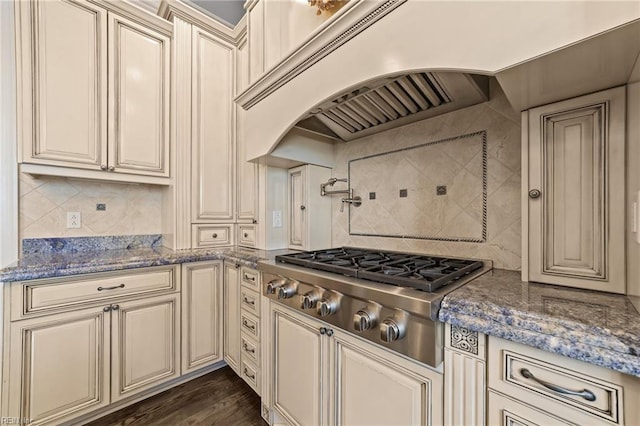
(247, 171)
(309, 213)
(213, 154)
(575, 192)
(139, 79)
(93, 92)
(201, 314)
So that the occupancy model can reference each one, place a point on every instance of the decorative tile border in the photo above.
(79, 244)
(464, 339)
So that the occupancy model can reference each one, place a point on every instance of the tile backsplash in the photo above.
(502, 124)
(45, 201)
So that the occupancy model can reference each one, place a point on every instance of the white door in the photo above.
(59, 366)
(201, 314)
(139, 62)
(213, 154)
(371, 386)
(145, 344)
(576, 194)
(299, 368)
(68, 84)
(232, 315)
(297, 208)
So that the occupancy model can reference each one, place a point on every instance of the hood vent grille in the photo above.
(394, 102)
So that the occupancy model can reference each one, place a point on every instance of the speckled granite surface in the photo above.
(31, 246)
(46, 265)
(599, 328)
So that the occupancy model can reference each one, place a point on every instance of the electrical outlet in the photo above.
(277, 218)
(74, 220)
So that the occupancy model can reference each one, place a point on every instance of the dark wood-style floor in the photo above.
(218, 398)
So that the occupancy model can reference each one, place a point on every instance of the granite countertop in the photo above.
(47, 265)
(596, 327)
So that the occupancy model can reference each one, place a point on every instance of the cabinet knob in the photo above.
(106, 308)
(323, 330)
(535, 193)
(246, 235)
(115, 307)
(303, 207)
(103, 167)
(111, 168)
(215, 235)
(254, 221)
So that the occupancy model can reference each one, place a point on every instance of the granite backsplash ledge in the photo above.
(31, 246)
(599, 328)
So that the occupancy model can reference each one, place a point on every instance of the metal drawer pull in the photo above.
(247, 349)
(246, 373)
(250, 327)
(215, 235)
(248, 278)
(249, 302)
(586, 394)
(111, 288)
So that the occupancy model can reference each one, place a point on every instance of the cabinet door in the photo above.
(297, 208)
(299, 368)
(232, 315)
(63, 83)
(139, 60)
(146, 344)
(59, 366)
(577, 216)
(372, 386)
(247, 171)
(201, 315)
(213, 155)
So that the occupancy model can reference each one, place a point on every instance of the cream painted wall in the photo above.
(502, 124)
(44, 203)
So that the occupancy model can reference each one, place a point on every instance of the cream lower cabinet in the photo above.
(64, 360)
(322, 375)
(201, 314)
(231, 321)
(574, 192)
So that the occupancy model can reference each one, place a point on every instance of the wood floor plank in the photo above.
(218, 398)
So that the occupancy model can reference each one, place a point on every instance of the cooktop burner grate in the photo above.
(426, 273)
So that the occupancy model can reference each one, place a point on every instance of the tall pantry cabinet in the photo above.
(208, 129)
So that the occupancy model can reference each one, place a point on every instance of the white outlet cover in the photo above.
(277, 218)
(74, 220)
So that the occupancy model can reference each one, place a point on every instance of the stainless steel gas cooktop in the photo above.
(389, 298)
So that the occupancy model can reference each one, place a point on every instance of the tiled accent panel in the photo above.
(45, 201)
(502, 124)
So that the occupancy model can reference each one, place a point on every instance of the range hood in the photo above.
(394, 101)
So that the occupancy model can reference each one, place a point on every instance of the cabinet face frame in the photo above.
(118, 143)
(600, 263)
(297, 183)
(231, 321)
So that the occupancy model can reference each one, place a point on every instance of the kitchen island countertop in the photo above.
(595, 327)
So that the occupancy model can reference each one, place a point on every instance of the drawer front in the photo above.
(555, 382)
(247, 235)
(251, 375)
(250, 325)
(251, 278)
(203, 236)
(249, 349)
(250, 301)
(48, 295)
(504, 411)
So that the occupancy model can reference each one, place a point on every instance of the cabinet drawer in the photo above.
(250, 325)
(247, 235)
(557, 383)
(203, 236)
(251, 375)
(250, 301)
(56, 294)
(249, 349)
(504, 411)
(251, 278)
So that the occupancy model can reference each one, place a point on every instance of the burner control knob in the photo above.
(363, 320)
(286, 291)
(390, 330)
(309, 300)
(273, 285)
(327, 306)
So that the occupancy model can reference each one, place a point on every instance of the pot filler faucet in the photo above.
(356, 201)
